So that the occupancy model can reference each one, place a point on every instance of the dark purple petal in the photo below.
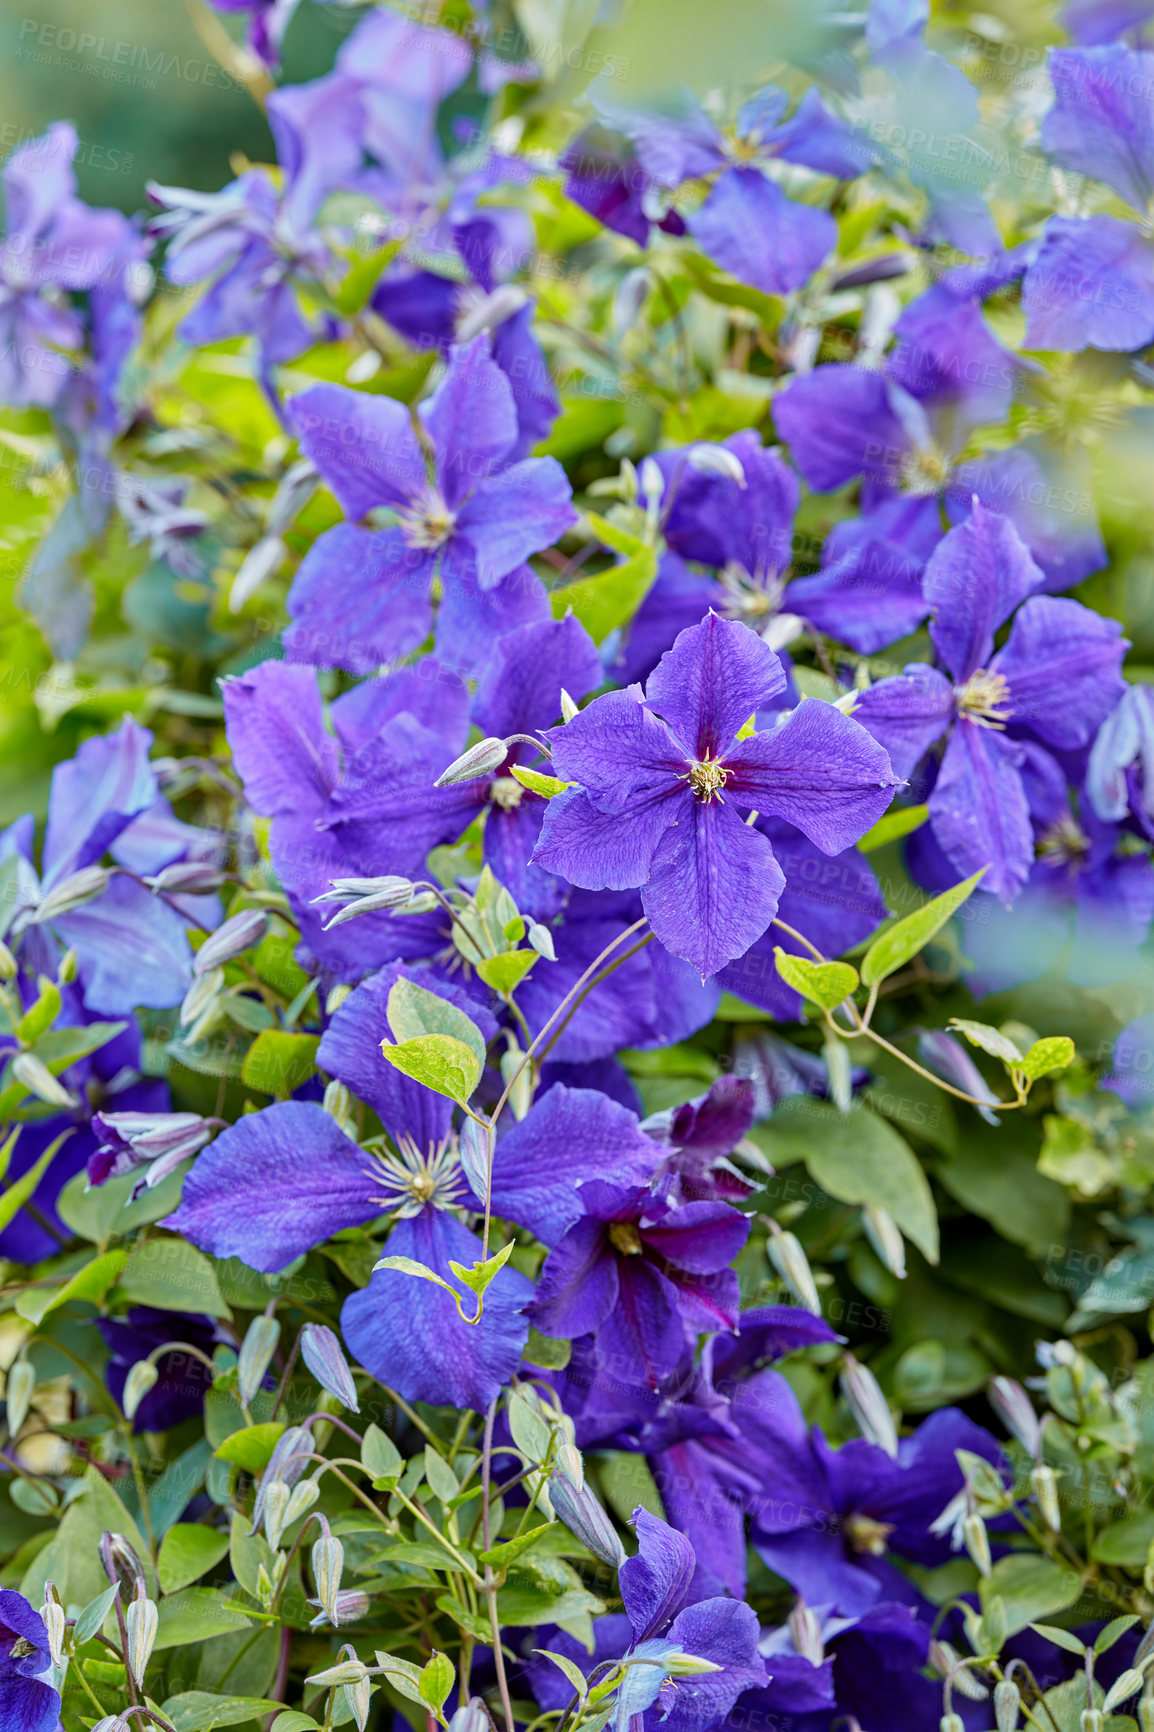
(655, 1583)
(386, 813)
(838, 423)
(749, 227)
(603, 850)
(978, 810)
(725, 1631)
(715, 1123)
(619, 753)
(713, 885)
(698, 1503)
(817, 139)
(1063, 665)
(360, 598)
(470, 619)
(907, 714)
(867, 599)
(275, 723)
(274, 1185)
(511, 515)
(527, 670)
(578, 1287)
(363, 445)
(700, 1238)
(976, 577)
(409, 1334)
(433, 695)
(519, 356)
(947, 354)
(819, 770)
(711, 682)
(472, 421)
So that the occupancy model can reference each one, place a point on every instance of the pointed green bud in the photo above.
(977, 1542)
(257, 1349)
(1044, 1485)
(35, 1076)
(328, 1561)
(1007, 1703)
(1127, 1684)
(141, 1622)
(141, 1378)
(480, 760)
(792, 1265)
(19, 1390)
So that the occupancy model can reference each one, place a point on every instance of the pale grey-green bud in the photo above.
(19, 1390)
(52, 1612)
(792, 1264)
(8, 964)
(257, 1349)
(1146, 1714)
(716, 460)
(200, 996)
(868, 1405)
(569, 707)
(321, 1352)
(304, 1496)
(1127, 1684)
(240, 932)
(951, 1723)
(66, 967)
(805, 1633)
(35, 1076)
(1091, 1720)
(328, 1561)
(518, 1074)
(258, 565)
(1007, 1703)
(1016, 1411)
(977, 1542)
(480, 760)
(142, 1377)
(338, 1103)
(689, 1666)
(884, 1235)
(584, 1516)
(141, 1622)
(1044, 1485)
(73, 892)
(344, 1672)
(358, 1697)
(276, 1502)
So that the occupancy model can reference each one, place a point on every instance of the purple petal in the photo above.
(867, 599)
(274, 1185)
(94, 796)
(536, 1185)
(601, 850)
(360, 598)
(749, 227)
(38, 180)
(713, 885)
(409, 1335)
(838, 423)
(520, 357)
(817, 139)
(702, 1508)
(514, 514)
(433, 695)
(708, 685)
(1099, 124)
(715, 1123)
(715, 521)
(472, 421)
(274, 719)
(655, 1583)
(520, 689)
(701, 1238)
(678, 142)
(470, 618)
(619, 1012)
(947, 354)
(386, 813)
(620, 754)
(363, 445)
(1063, 664)
(725, 1631)
(907, 714)
(1048, 493)
(578, 1287)
(131, 950)
(820, 771)
(978, 810)
(976, 577)
(1091, 286)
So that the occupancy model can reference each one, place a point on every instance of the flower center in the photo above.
(20, 1649)
(925, 471)
(428, 523)
(708, 779)
(985, 699)
(413, 1179)
(867, 1535)
(1065, 843)
(624, 1237)
(506, 793)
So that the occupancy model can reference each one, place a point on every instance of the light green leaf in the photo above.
(1126, 1542)
(442, 1481)
(1061, 1638)
(14, 1198)
(251, 1447)
(899, 943)
(188, 1551)
(549, 1352)
(893, 825)
(1031, 1587)
(92, 1617)
(278, 1063)
(410, 1266)
(502, 1555)
(437, 1678)
(574, 1674)
(415, 1012)
(620, 540)
(106, 1212)
(71, 1559)
(826, 984)
(1048, 1057)
(91, 1283)
(988, 1039)
(505, 973)
(382, 1459)
(196, 1615)
(172, 1275)
(606, 601)
(441, 1063)
(547, 786)
(477, 1278)
(293, 1720)
(202, 1711)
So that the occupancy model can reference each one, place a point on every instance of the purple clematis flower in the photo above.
(1055, 680)
(178, 1394)
(663, 1616)
(28, 1702)
(1090, 23)
(605, 177)
(1120, 770)
(470, 518)
(267, 22)
(1092, 283)
(659, 781)
(700, 1135)
(53, 242)
(641, 1276)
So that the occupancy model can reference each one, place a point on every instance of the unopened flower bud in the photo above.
(287, 1462)
(868, 1405)
(884, 1235)
(328, 1561)
(18, 1393)
(121, 1562)
(112, 1723)
(142, 1378)
(944, 1659)
(52, 1612)
(141, 1621)
(276, 1502)
(1016, 1411)
(1044, 1485)
(951, 1723)
(260, 563)
(8, 964)
(239, 933)
(358, 1697)
(473, 1149)
(367, 896)
(716, 460)
(689, 1666)
(470, 1717)
(792, 1264)
(1146, 1714)
(348, 1671)
(1127, 1684)
(805, 1633)
(584, 1516)
(351, 1604)
(200, 996)
(296, 488)
(35, 1076)
(257, 1349)
(485, 315)
(186, 878)
(73, 892)
(569, 707)
(303, 1497)
(570, 1463)
(518, 1079)
(1091, 1720)
(1007, 1703)
(321, 1352)
(480, 760)
(338, 1103)
(977, 1542)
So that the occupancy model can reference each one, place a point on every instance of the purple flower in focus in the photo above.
(469, 516)
(1054, 681)
(28, 1702)
(158, 1142)
(660, 780)
(700, 1135)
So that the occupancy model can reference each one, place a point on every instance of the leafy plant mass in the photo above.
(576, 1137)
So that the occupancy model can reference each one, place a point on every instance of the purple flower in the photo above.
(659, 782)
(1092, 282)
(53, 242)
(28, 1702)
(641, 1275)
(700, 1135)
(158, 1142)
(471, 518)
(605, 177)
(267, 22)
(1120, 771)
(178, 1394)
(1055, 680)
(1092, 22)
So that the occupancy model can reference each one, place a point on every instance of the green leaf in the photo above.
(188, 1551)
(382, 1459)
(826, 984)
(503, 1554)
(1031, 1587)
(574, 1674)
(445, 1065)
(441, 1479)
(362, 277)
(604, 602)
(71, 1559)
(278, 1063)
(410, 1266)
(548, 1352)
(172, 1275)
(38, 1019)
(901, 942)
(423, 1554)
(293, 1720)
(196, 1615)
(477, 1278)
(858, 1158)
(251, 1447)
(1048, 1057)
(612, 535)
(547, 786)
(92, 1617)
(14, 1198)
(1062, 1638)
(1115, 1629)
(988, 1039)
(106, 1211)
(414, 1012)
(91, 1283)
(201, 1711)
(505, 973)
(1126, 1542)
(437, 1678)
(893, 825)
